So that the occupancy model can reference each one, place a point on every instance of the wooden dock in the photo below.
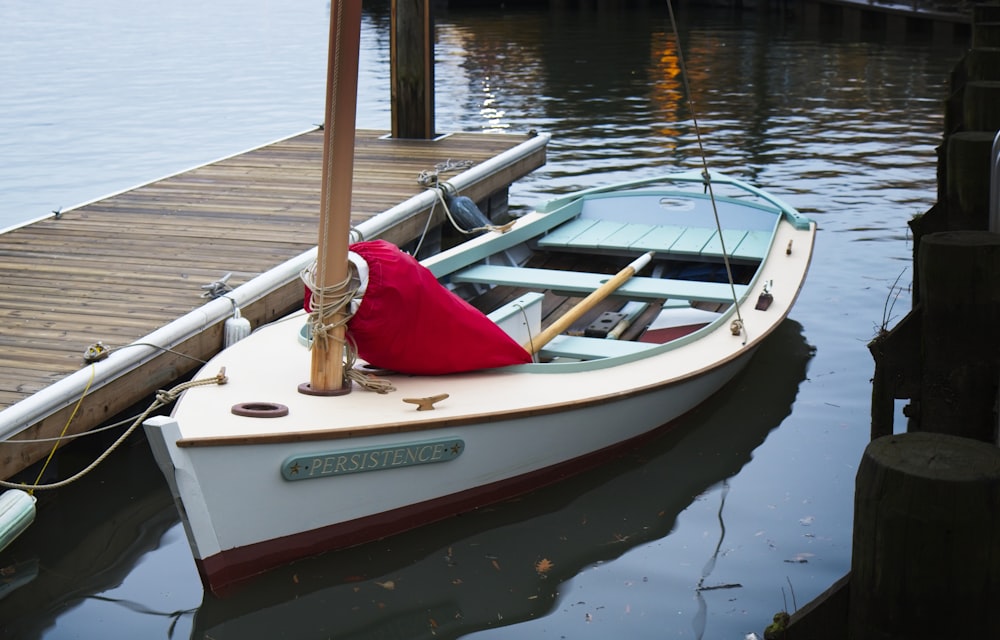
(129, 271)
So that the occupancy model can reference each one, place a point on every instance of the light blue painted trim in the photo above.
(798, 220)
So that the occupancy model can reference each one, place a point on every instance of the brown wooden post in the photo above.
(411, 56)
(985, 25)
(897, 370)
(960, 299)
(924, 563)
(981, 105)
(982, 64)
(967, 179)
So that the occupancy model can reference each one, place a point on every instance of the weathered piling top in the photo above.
(116, 270)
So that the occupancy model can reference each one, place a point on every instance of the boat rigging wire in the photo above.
(738, 326)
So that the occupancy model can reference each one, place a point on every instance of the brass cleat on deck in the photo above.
(426, 404)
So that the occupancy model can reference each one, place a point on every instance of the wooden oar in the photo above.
(535, 344)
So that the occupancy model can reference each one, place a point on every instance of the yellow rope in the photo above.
(55, 446)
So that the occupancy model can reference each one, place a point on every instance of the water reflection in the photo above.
(503, 565)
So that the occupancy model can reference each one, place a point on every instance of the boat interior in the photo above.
(527, 287)
(670, 298)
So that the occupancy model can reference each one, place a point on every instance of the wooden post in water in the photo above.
(925, 564)
(327, 373)
(411, 52)
(967, 181)
(960, 343)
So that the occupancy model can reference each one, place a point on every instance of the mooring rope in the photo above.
(738, 325)
(162, 398)
(431, 177)
(446, 188)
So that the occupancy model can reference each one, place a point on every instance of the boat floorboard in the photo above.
(119, 268)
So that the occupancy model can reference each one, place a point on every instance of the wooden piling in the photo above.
(924, 563)
(411, 44)
(960, 344)
(982, 104)
(967, 179)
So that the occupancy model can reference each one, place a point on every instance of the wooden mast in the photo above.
(327, 374)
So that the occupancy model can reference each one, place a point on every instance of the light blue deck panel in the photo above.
(587, 233)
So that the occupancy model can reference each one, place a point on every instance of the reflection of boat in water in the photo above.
(505, 564)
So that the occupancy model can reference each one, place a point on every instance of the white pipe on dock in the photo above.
(68, 390)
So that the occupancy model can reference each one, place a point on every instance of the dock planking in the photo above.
(117, 269)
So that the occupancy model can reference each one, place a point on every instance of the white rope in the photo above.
(218, 288)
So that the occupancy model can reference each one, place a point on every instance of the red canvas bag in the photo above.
(408, 322)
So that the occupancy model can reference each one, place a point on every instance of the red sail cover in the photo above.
(408, 322)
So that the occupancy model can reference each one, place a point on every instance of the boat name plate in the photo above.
(342, 462)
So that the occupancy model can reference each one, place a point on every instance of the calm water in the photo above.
(751, 497)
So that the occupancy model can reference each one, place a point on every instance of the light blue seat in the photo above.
(574, 283)
(584, 348)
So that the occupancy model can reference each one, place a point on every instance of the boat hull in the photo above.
(500, 458)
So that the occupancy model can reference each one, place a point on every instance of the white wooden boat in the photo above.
(259, 487)
(510, 563)
(285, 460)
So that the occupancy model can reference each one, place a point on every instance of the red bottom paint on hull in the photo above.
(223, 572)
